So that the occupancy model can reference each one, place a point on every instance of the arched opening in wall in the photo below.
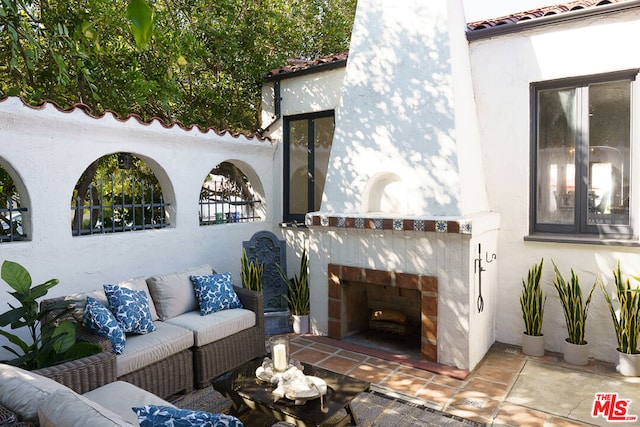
(231, 193)
(385, 193)
(118, 192)
(13, 212)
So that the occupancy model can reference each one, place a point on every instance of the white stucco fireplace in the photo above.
(404, 200)
(435, 257)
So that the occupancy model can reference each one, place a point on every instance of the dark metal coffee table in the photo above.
(247, 392)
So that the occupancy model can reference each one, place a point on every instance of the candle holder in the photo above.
(279, 345)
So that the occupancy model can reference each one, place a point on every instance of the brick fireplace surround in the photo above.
(340, 275)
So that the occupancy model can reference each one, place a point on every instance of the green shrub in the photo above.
(52, 341)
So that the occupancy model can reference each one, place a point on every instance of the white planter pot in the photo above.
(301, 324)
(533, 345)
(628, 364)
(576, 354)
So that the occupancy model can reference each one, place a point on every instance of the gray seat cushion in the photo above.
(69, 409)
(143, 350)
(120, 397)
(215, 326)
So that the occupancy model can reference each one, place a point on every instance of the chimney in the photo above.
(406, 141)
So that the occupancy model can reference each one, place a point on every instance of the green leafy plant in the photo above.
(251, 273)
(575, 311)
(298, 297)
(627, 322)
(532, 301)
(52, 341)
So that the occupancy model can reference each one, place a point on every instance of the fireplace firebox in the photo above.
(404, 303)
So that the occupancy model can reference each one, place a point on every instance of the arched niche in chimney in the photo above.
(384, 193)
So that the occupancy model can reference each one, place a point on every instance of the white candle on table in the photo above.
(280, 357)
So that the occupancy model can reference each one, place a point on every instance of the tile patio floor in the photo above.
(506, 389)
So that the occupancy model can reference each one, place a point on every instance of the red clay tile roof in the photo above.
(297, 65)
(87, 110)
(539, 13)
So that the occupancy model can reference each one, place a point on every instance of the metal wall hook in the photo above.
(478, 268)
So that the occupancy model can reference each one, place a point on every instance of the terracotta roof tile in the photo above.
(87, 110)
(297, 65)
(539, 13)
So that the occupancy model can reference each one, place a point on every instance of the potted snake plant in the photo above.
(532, 302)
(575, 347)
(626, 322)
(298, 296)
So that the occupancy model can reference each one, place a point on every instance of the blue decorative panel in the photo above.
(265, 247)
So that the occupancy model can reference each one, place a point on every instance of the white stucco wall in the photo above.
(47, 151)
(503, 68)
(300, 95)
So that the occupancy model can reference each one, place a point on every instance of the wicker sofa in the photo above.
(187, 350)
(28, 399)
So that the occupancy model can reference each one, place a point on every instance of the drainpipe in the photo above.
(277, 99)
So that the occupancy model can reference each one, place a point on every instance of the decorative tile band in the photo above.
(395, 224)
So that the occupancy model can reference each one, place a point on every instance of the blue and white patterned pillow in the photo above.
(215, 292)
(98, 319)
(155, 416)
(130, 308)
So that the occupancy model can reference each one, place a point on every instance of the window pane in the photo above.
(298, 170)
(556, 156)
(322, 148)
(609, 136)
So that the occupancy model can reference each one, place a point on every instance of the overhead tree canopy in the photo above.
(199, 62)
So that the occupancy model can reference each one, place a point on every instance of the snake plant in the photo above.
(298, 297)
(627, 323)
(532, 301)
(251, 273)
(575, 311)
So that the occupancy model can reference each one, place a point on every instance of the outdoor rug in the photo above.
(377, 407)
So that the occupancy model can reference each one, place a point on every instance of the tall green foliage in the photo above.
(532, 301)
(251, 272)
(298, 296)
(627, 322)
(197, 61)
(575, 311)
(51, 342)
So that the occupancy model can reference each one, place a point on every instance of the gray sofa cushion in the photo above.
(215, 326)
(120, 397)
(22, 391)
(136, 284)
(69, 409)
(173, 293)
(143, 350)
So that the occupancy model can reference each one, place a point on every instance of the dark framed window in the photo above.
(307, 146)
(581, 174)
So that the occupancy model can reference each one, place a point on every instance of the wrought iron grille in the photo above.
(11, 223)
(224, 200)
(118, 205)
